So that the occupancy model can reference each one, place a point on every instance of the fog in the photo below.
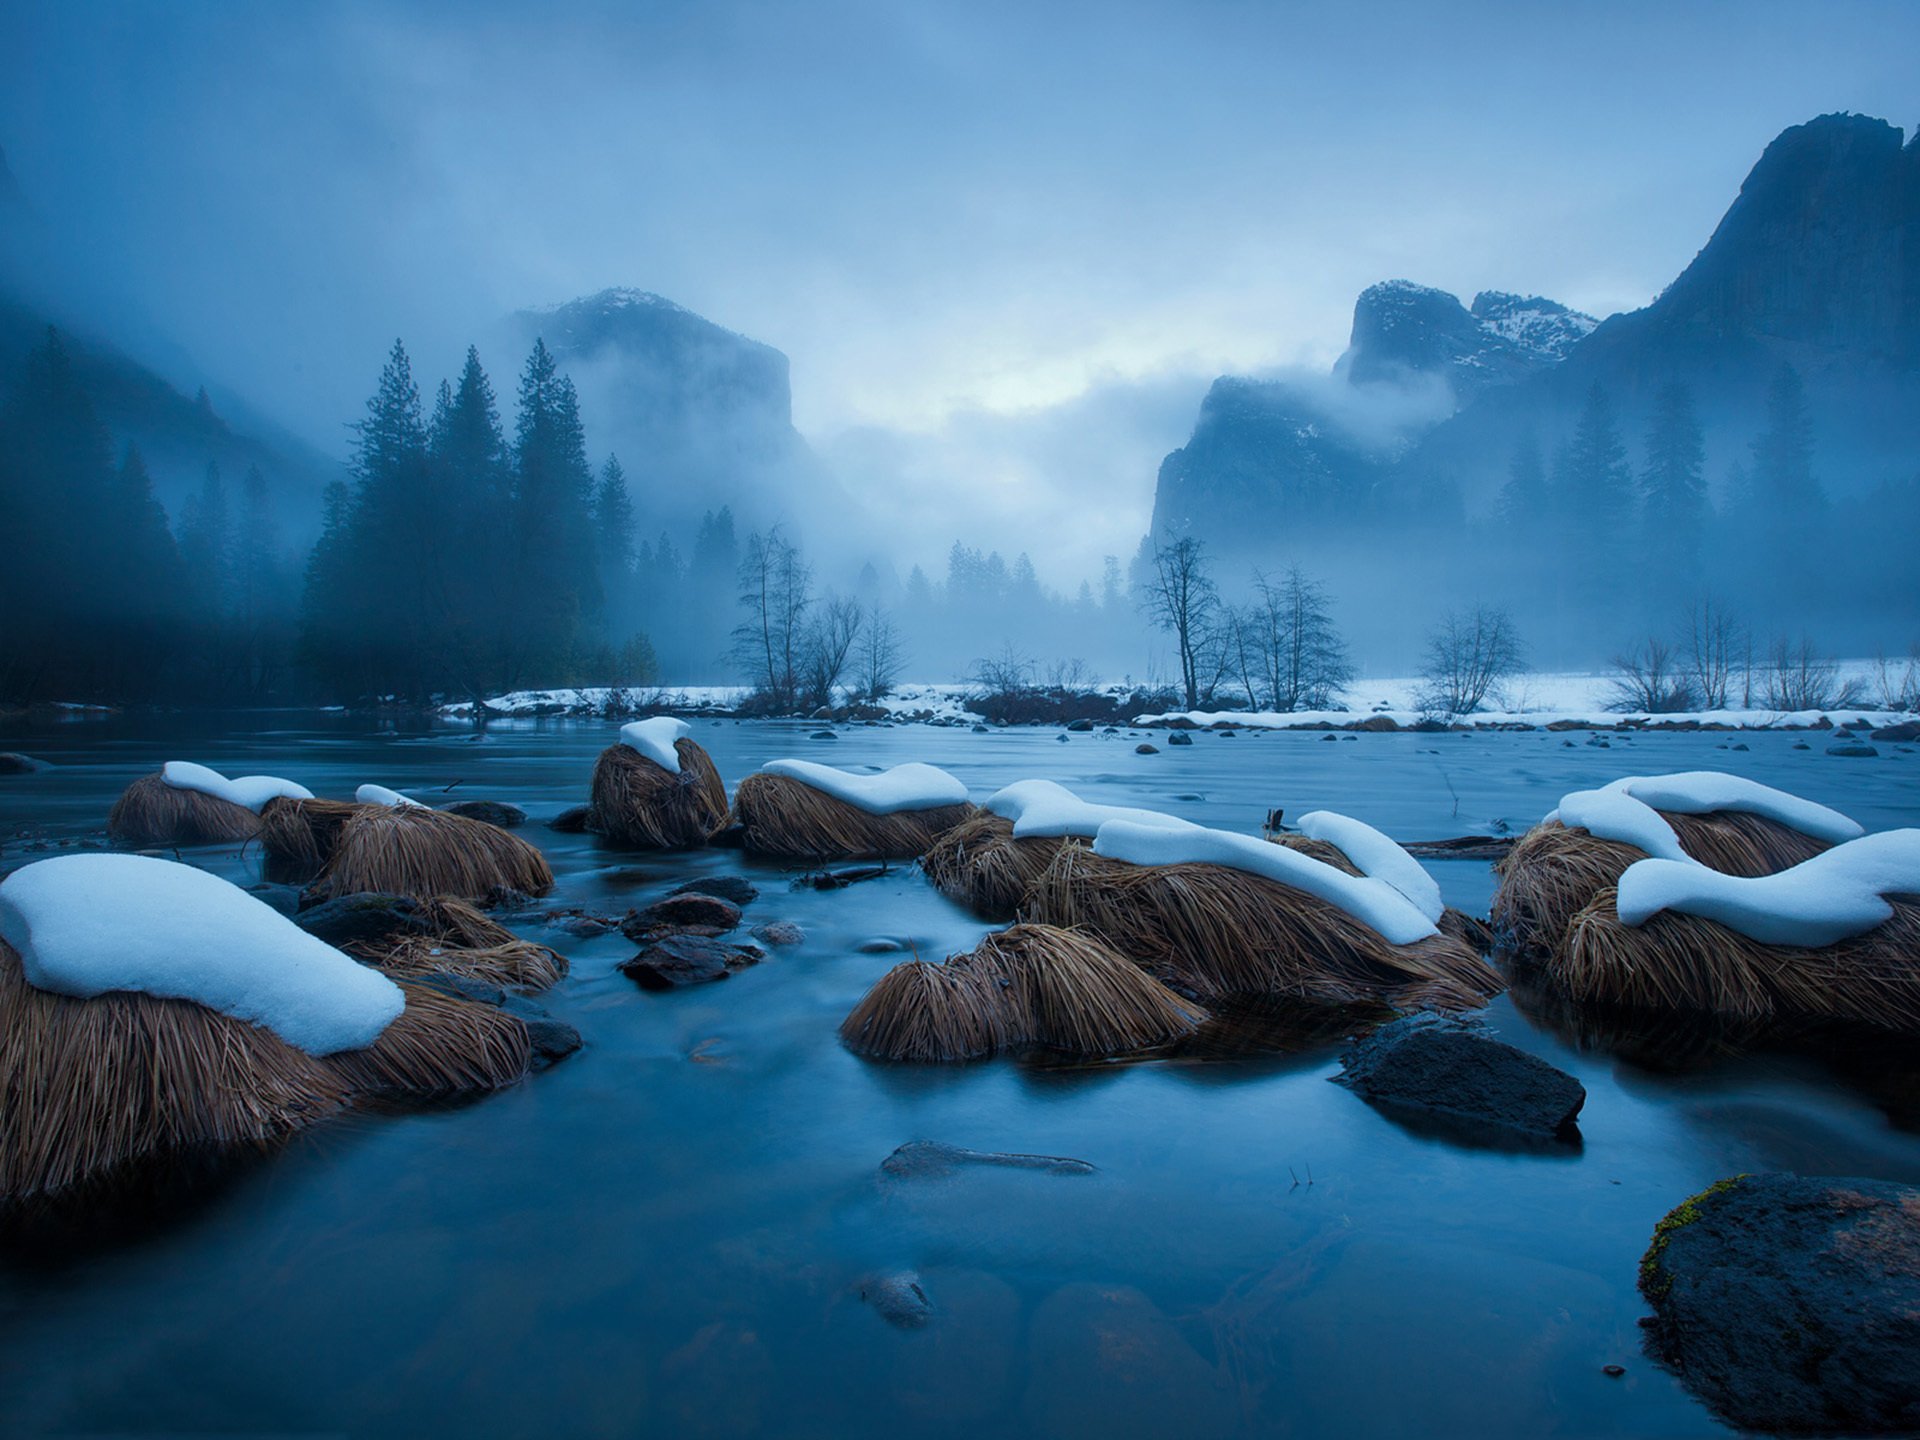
(1005, 250)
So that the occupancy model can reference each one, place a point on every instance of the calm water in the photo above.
(663, 1235)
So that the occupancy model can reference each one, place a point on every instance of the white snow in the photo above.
(1377, 856)
(1818, 902)
(89, 924)
(381, 795)
(251, 792)
(1612, 814)
(655, 739)
(1699, 792)
(1374, 903)
(913, 786)
(1042, 809)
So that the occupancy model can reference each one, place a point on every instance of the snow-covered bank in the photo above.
(1570, 700)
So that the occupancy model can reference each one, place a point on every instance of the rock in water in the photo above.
(736, 888)
(493, 812)
(1457, 1070)
(13, 763)
(1853, 750)
(1179, 737)
(1792, 1303)
(704, 914)
(367, 918)
(571, 822)
(681, 960)
(934, 1159)
(1145, 749)
(899, 1297)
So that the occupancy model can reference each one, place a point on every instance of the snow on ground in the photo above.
(250, 792)
(1818, 902)
(913, 786)
(1627, 809)
(1573, 698)
(89, 924)
(656, 738)
(1377, 856)
(1042, 809)
(381, 795)
(1374, 903)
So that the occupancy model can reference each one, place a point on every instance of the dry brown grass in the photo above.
(399, 850)
(640, 804)
(1554, 872)
(460, 940)
(440, 1048)
(1682, 963)
(980, 864)
(152, 813)
(1212, 931)
(1029, 985)
(89, 1088)
(785, 818)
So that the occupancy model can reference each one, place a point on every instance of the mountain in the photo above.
(1816, 264)
(699, 415)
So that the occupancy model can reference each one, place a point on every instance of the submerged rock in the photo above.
(677, 961)
(571, 822)
(1105, 1360)
(1179, 737)
(1080, 726)
(368, 918)
(779, 932)
(1792, 1303)
(689, 911)
(1145, 749)
(14, 763)
(736, 888)
(934, 1159)
(1853, 750)
(899, 1297)
(1460, 1071)
(493, 812)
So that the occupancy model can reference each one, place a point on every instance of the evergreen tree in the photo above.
(1790, 507)
(559, 600)
(1596, 499)
(1523, 499)
(207, 546)
(613, 536)
(1674, 489)
(473, 474)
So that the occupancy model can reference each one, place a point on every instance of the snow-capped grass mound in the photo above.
(1374, 903)
(381, 795)
(656, 739)
(85, 925)
(1818, 902)
(1378, 857)
(913, 786)
(251, 792)
(1705, 792)
(1041, 809)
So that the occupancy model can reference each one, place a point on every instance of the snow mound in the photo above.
(1374, 903)
(1041, 809)
(1612, 814)
(913, 786)
(1818, 902)
(251, 792)
(655, 739)
(1699, 792)
(381, 795)
(89, 924)
(1377, 857)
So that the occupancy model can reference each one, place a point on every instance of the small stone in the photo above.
(879, 945)
(571, 822)
(823, 735)
(736, 888)
(779, 933)
(1616, 1371)
(492, 812)
(1081, 726)
(899, 1297)
(1855, 750)
(1179, 737)
(1145, 749)
(707, 914)
(678, 961)
(14, 763)
(980, 729)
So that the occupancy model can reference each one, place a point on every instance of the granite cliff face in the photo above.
(1816, 264)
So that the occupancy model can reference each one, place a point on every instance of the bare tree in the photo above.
(1713, 640)
(1898, 685)
(1799, 677)
(1468, 653)
(775, 592)
(1008, 673)
(831, 632)
(1649, 678)
(1302, 657)
(879, 657)
(1182, 600)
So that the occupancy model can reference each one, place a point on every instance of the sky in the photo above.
(1005, 246)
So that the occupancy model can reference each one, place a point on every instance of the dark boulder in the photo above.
(576, 821)
(553, 1039)
(13, 763)
(1905, 730)
(1853, 750)
(1792, 1303)
(1145, 749)
(691, 911)
(493, 812)
(676, 961)
(1179, 737)
(365, 919)
(736, 888)
(1080, 726)
(1460, 1071)
(899, 1297)
(935, 1159)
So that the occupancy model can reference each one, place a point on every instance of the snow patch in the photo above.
(1818, 902)
(381, 795)
(86, 925)
(1042, 809)
(913, 786)
(1612, 814)
(655, 739)
(251, 792)
(1700, 792)
(1379, 857)
(1374, 903)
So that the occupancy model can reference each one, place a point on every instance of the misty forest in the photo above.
(959, 720)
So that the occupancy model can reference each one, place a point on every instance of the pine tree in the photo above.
(473, 475)
(613, 539)
(1523, 499)
(559, 597)
(1674, 488)
(1597, 499)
